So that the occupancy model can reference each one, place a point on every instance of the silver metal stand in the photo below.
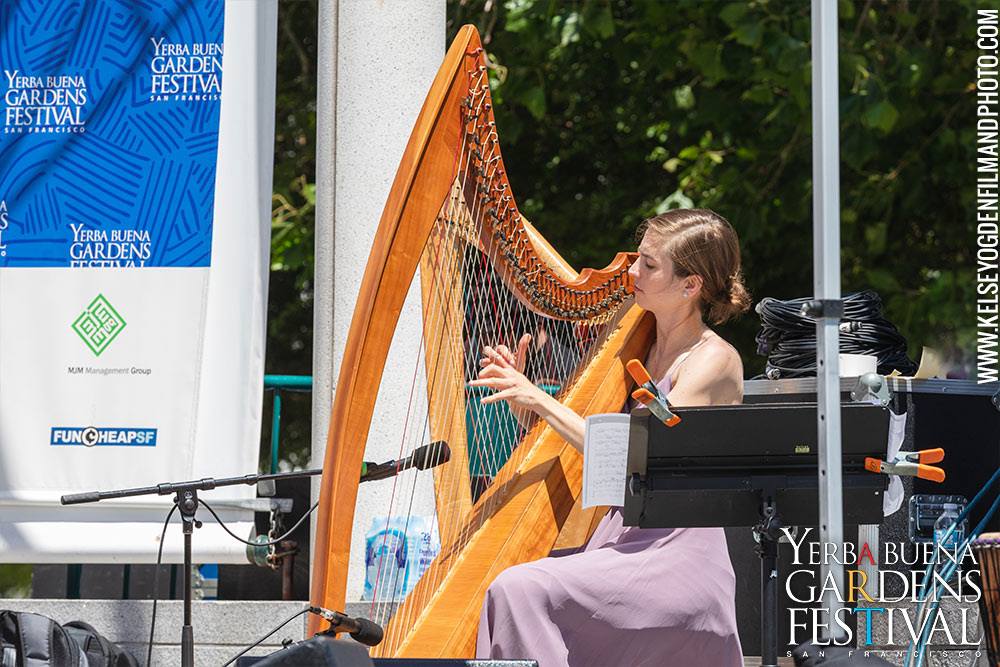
(826, 281)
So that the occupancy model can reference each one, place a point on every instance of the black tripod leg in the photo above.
(187, 631)
(768, 602)
(187, 502)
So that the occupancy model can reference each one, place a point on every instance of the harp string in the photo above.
(383, 596)
(448, 245)
(491, 315)
(444, 243)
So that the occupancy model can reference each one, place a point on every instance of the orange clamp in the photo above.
(638, 372)
(931, 473)
(935, 455)
(643, 396)
(873, 465)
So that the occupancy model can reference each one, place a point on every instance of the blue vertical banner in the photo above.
(109, 132)
(134, 246)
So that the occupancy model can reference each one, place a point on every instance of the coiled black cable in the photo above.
(788, 338)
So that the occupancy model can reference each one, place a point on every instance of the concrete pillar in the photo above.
(385, 57)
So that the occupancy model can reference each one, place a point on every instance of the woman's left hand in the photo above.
(508, 383)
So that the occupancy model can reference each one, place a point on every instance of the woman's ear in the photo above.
(693, 284)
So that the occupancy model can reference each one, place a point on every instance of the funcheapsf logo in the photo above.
(92, 436)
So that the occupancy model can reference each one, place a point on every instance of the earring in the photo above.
(685, 295)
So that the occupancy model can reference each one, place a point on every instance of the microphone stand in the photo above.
(186, 499)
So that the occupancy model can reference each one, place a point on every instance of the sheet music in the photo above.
(605, 458)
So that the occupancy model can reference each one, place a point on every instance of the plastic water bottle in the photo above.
(386, 560)
(946, 548)
(426, 554)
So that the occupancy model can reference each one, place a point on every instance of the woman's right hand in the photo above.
(517, 359)
(502, 370)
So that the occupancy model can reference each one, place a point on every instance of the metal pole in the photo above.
(768, 601)
(323, 362)
(187, 504)
(187, 631)
(826, 283)
(275, 430)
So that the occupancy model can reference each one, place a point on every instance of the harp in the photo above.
(451, 231)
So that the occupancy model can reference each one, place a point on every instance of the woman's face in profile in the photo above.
(656, 287)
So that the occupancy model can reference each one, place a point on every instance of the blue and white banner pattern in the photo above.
(110, 130)
(136, 146)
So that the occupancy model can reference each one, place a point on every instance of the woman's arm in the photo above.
(500, 373)
(715, 377)
(563, 419)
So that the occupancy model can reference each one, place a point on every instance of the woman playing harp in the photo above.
(635, 596)
(451, 235)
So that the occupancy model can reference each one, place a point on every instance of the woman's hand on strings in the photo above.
(515, 359)
(502, 370)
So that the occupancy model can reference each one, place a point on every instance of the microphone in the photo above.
(423, 457)
(361, 630)
(650, 395)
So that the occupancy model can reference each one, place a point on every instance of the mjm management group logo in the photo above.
(50, 104)
(91, 436)
(183, 71)
(98, 325)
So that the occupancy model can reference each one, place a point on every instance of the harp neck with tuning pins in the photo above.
(451, 233)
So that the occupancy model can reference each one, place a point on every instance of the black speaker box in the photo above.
(326, 651)
(953, 414)
(320, 651)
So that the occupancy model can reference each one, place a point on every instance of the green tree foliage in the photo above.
(289, 311)
(15, 581)
(610, 111)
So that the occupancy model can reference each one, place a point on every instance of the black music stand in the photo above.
(734, 465)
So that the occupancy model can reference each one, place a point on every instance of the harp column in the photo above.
(376, 62)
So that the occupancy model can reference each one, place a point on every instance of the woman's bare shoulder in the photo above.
(713, 375)
(718, 347)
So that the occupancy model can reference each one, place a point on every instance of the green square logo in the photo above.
(98, 325)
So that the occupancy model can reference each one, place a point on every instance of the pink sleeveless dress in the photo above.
(633, 597)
